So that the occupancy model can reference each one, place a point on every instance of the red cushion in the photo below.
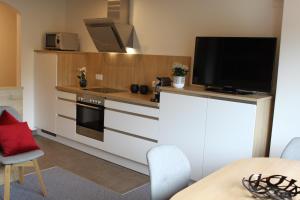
(6, 118)
(16, 138)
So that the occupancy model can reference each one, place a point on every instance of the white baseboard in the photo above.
(98, 153)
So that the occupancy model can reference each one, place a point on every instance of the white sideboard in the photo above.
(213, 132)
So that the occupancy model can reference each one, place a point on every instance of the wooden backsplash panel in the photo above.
(119, 70)
(93, 63)
(68, 68)
(148, 67)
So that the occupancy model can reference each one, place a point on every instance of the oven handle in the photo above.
(88, 106)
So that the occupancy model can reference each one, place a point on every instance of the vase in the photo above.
(83, 83)
(178, 81)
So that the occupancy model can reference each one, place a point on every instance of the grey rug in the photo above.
(64, 185)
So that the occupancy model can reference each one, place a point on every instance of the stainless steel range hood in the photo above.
(114, 33)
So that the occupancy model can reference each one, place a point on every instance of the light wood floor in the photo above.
(107, 174)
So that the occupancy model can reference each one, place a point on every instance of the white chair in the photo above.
(169, 169)
(292, 150)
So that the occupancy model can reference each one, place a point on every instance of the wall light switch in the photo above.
(99, 77)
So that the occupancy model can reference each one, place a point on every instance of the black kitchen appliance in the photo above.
(234, 63)
(90, 116)
(134, 88)
(144, 89)
(159, 82)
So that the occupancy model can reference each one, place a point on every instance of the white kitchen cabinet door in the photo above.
(132, 124)
(66, 96)
(229, 133)
(182, 123)
(65, 127)
(66, 108)
(127, 107)
(45, 79)
(127, 146)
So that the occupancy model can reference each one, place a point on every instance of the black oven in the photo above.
(90, 116)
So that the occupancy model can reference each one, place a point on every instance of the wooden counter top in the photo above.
(125, 96)
(201, 92)
(226, 183)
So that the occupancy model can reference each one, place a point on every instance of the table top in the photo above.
(226, 183)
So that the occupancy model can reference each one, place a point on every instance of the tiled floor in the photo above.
(107, 174)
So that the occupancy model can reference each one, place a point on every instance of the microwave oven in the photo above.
(62, 41)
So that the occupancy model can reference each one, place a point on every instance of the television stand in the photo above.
(229, 90)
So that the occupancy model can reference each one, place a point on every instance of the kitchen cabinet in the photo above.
(65, 127)
(132, 108)
(66, 115)
(66, 120)
(213, 132)
(182, 123)
(142, 126)
(130, 130)
(45, 79)
(66, 104)
(229, 133)
(127, 146)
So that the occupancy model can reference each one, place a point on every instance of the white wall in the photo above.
(287, 106)
(76, 11)
(169, 27)
(37, 17)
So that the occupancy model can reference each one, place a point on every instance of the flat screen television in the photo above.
(240, 63)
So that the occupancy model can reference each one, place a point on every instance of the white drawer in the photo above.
(127, 146)
(65, 127)
(66, 95)
(132, 124)
(142, 110)
(66, 108)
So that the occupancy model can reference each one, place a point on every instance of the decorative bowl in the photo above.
(276, 187)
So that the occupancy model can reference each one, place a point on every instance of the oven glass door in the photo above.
(90, 116)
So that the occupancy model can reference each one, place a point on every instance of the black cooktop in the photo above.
(103, 90)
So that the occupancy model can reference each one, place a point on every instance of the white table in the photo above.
(225, 184)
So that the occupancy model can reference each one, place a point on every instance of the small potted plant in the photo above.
(82, 77)
(179, 73)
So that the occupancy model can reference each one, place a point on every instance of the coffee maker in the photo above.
(159, 82)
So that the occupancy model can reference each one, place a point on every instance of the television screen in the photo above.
(240, 63)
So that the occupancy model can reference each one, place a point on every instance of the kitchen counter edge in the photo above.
(126, 97)
(201, 92)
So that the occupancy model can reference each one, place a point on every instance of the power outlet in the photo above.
(99, 77)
